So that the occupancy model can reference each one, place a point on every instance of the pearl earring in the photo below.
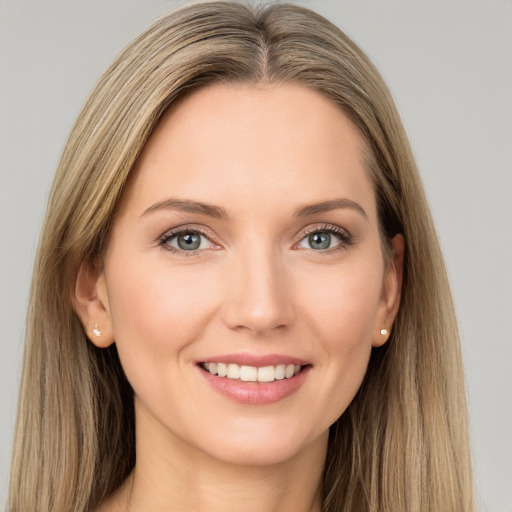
(384, 332)
(96, 331)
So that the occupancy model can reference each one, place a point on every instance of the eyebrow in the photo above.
(186, 205)
(217, 212)
(327, 206)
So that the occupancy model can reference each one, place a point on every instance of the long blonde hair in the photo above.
(402, 444)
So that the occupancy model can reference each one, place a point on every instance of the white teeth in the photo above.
(248, 373)
(233, 371)
(222, 369)
(266, 374)
(252, 373)
(280, 370)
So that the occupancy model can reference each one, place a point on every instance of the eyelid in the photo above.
(343, 234)
(185, 228)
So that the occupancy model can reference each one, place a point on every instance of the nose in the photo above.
(258, 294)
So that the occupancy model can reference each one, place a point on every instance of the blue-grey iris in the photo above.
(319, 240)
(189, 241)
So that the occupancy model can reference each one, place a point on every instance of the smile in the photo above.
(252, 373)
(255, 379)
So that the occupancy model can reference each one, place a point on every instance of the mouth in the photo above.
(243, 373)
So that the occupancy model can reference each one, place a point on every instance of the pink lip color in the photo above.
(256, 393)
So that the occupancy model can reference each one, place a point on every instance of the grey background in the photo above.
(449, 66)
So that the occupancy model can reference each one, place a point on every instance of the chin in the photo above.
(263, 448)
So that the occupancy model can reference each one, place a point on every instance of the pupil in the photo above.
(189, 241)
(320, 240)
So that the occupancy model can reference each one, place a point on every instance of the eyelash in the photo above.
(342, 234)
(169, 235)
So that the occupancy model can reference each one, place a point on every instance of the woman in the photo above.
(239, 299)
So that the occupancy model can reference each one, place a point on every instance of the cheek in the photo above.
(342, 303)
(156, 312)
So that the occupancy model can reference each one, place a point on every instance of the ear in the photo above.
(391, 292)
(90, 300)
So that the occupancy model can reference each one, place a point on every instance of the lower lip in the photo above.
(256, 393)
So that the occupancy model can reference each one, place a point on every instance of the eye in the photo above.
(324, 239)
(186, 240)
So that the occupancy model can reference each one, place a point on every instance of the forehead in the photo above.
(243, 145)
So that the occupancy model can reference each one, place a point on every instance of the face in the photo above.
(246, 243)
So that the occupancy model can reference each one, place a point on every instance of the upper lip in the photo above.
(258, 360)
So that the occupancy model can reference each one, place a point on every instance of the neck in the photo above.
(174, 476)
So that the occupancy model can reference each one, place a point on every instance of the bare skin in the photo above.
(279, 488)
(248, 231)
